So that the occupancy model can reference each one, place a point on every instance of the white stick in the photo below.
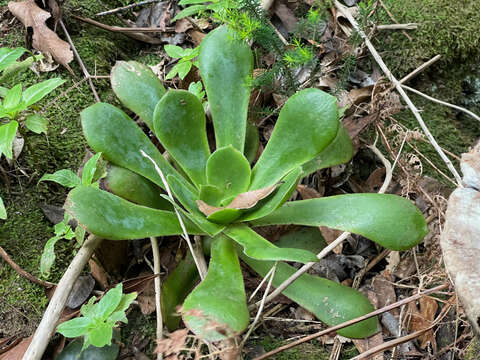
(158, 289)
(46, 328)
(399, 88)
(180, 220)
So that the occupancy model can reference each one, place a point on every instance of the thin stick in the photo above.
(122, 8)
(262, 304)
(394, 20)
(22, 272)
(80, 62)
(476, 117)
(52, 314)
(353, 321)
(409, 26)
(158, 289)
(119, 29)
(180, 220)
(420, 69)
(388, 169)
(261, 283)
(400, 90)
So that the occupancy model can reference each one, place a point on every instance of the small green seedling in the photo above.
(223, 195)
(196, 6)
(98, 319)
(186, 60)
(63, 230)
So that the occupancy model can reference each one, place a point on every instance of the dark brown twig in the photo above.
(22, 272)
(351, 322)
(122, 8)
(80, 62)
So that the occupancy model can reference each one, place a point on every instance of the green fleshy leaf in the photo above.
(3, 91)
(196, 88)
(175, 289)
(307, 123)
(211, 195)
(252, 143)
(13, 97)
(189, 11)
(9, 56)
(135, 188)
(101, 335)
(3, 211)
(125, 302)
(109, 302)
(114, 218)
(226, 65)
(306, 238)
(339, 151)
(64, 177)
(38, 91)
(138, 88)
(229, 171)
(7, 135)
(36, 123)
(110, 131)
(18, 66)
(329, 301)
(389, 220)
(74, 327)
(182, 68)
(180, 125)
(257, 247)
(74, 351)
(280, 196)
(89, 169)
(217, 308)
(225, 216)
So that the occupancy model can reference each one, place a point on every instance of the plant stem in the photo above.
(46, 328)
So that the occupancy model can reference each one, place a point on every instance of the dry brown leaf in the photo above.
(244, 200)
(330, 235)
(422, 319)
(384, 291)
(17, 352)
(307, 192)
(98, 273)
(375, 180)
(286, 16)
(44, 39)
(355, 125)
(172, 344)
(146, 304)
(357, 96)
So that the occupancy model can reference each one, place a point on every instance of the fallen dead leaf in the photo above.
(357, 96)
(384, 291)
(146, 303)
(330, 235)
(307, 192)
(422, 319)
(244, 200)
(17, 352)
(44, 39)
(286, 16)
(98, 273)
(172, 344)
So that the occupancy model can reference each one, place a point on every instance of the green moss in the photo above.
(443, 29)
(473, 350)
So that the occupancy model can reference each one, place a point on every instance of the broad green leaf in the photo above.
(196, 88)
(175, 289)
(229, 171)
(217, 308)
(18, 66)
(73, 351)
(74, 327)
(138, 88)
(111, 217)
(339, 151)
(174, 51)
(110, 131)
(7, 135)
(389, 220)
(180, 125)
(306, 238)
(9, 56)
(38, 91)
(252, 143)
(48, 255)
(125, 302)
(211, 195)
(64, 177)
(307, 123)
(189, 11)
(36, 123)
(225, 216)
(329, 301)
(134, 188)
(88, 309)
(89, 169)
(109, 302)
(101, 335)
(226, 65)
(182, 68)
(280, 196)
(3, 211)
(257, 247)
(13, 97)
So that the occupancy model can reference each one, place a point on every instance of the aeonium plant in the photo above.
(221, 197)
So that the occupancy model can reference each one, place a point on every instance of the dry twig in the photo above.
(158, 289)
(122, 8)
